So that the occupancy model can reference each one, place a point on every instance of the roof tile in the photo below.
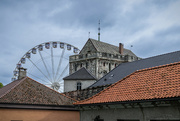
(29, 91)
(108, 48)
(153, 83)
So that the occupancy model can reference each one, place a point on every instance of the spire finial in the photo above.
(99, 31)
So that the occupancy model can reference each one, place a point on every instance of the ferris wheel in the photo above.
(47, 63)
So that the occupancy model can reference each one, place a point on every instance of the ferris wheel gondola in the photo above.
(47, 63)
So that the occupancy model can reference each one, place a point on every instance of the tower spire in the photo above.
(99, 32)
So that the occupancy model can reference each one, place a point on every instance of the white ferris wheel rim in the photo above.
(56, 83)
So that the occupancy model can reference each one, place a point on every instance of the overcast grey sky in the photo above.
(151, 26)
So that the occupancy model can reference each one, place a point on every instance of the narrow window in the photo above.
(79, 86)
(109, 66)
(86, 65)
(104, 64)
(115, 64)
(75, 67)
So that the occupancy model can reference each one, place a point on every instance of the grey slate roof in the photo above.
(124, 69)
(81, 74)
(108, 48)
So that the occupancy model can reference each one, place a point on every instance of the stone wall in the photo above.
(142, 113)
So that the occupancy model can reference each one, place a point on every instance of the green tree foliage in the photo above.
(1, 85)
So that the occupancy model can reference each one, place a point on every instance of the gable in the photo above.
(88, 48)
(81, 74)
(28, 91)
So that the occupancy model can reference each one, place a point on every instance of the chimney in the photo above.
(22, 73)
(121, 48)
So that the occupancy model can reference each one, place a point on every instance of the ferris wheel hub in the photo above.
(55, 86)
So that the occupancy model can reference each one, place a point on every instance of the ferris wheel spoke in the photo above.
(44, 64)
(38, 68)
(65, 69)
(60, 61)
(48, 84)
(37, 77)
(51, 70)
(52, 62)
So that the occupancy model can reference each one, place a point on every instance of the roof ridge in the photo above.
(9, 90)
(161, 66)
(160, 55)
(105, 43)
(52, 89)
(137, 71)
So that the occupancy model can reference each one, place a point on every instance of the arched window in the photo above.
(79, 85)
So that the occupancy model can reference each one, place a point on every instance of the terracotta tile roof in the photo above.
(153, 83)
(29, 91)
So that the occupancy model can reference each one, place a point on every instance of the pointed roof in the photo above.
(81, 74)
(160, 82)
(108, 48)
(124, 69)
(29, 91)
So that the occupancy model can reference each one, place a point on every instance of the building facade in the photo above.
(100, 58)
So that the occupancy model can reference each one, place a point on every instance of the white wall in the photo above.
(71, 85)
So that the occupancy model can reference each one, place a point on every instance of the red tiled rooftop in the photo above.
(153, 83)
